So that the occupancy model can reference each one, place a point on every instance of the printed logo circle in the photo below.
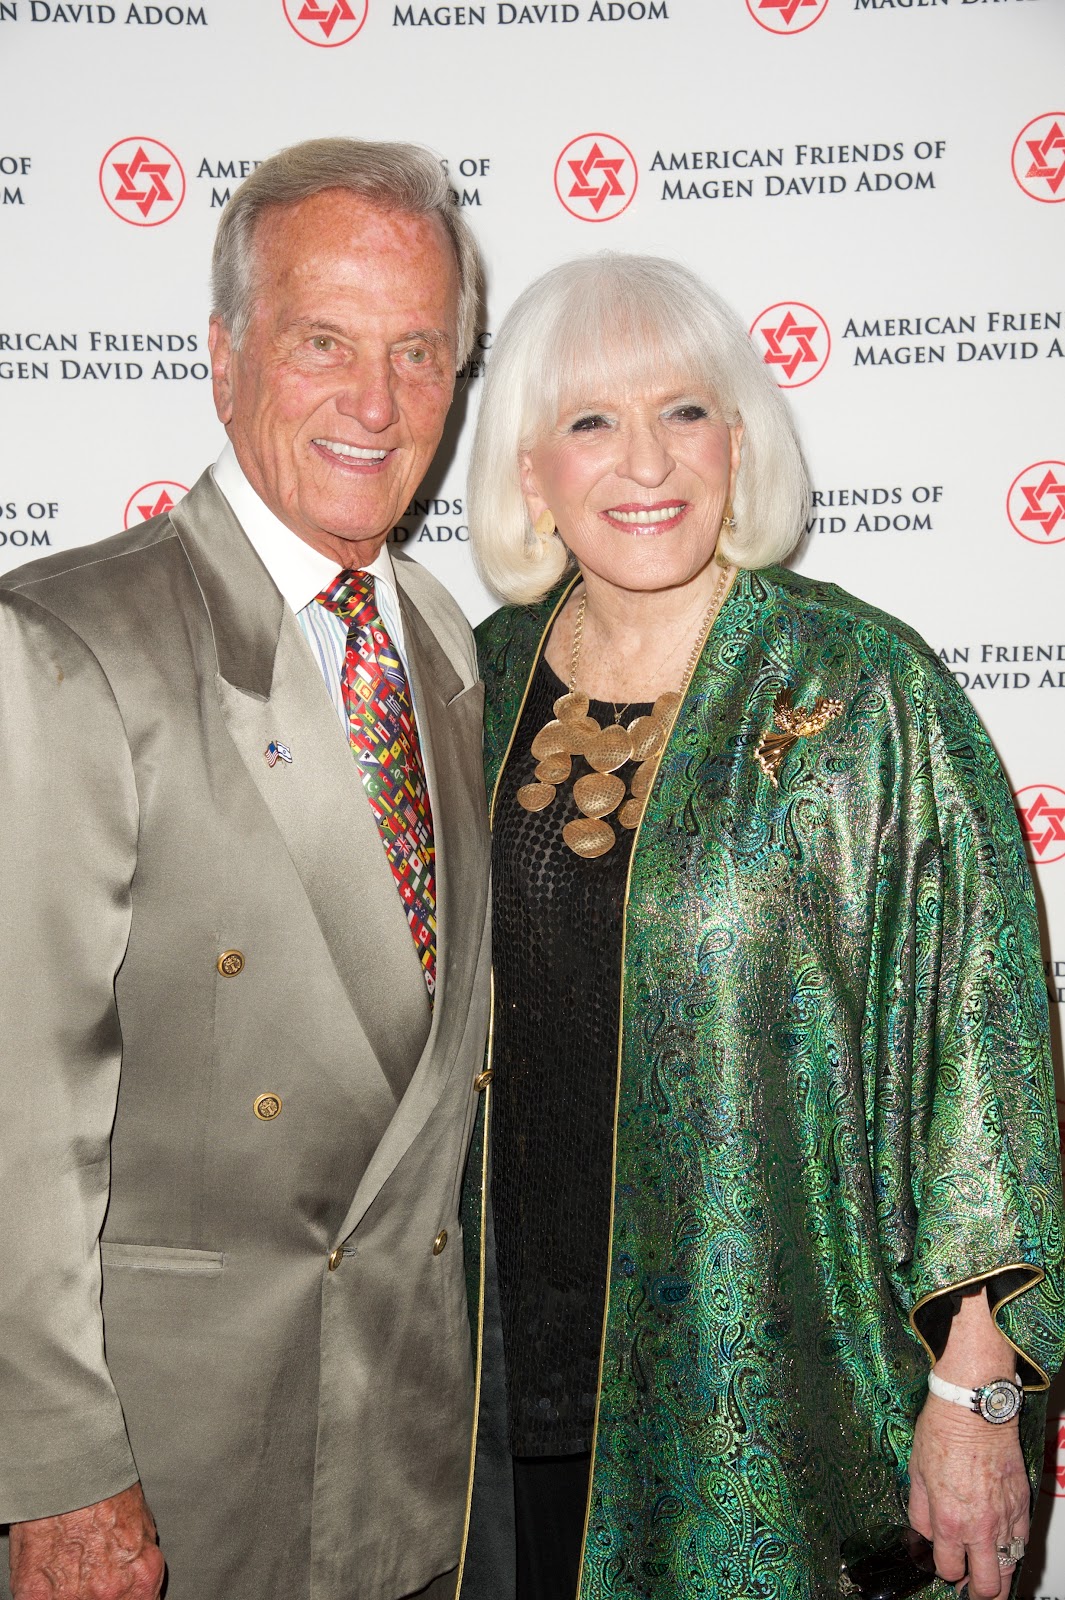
(1035, 504)
(596, 177)
(142, 182)
(793, 340)
(1038, 158)
(328, 25)
(151, 500)
(1041, 809)
(1053, 1480)
(786, 16)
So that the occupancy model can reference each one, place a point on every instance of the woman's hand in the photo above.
(969, 1490)
(968, 1493)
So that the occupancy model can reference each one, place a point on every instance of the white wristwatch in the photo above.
(998, 1401)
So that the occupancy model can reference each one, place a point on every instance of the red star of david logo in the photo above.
(787, 8)
(163, 503)
(1048, 516)
(1048, 157)
(1043, 823)
(1053, 1464)
(790, 360)
(327, 17)
(132, 184)
(153, 499)
(584, 188)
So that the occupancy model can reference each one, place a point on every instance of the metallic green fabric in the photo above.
(834, 1100)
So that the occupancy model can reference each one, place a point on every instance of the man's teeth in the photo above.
(351, 451)
(652, 514)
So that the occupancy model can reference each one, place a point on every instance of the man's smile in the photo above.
(350, 452)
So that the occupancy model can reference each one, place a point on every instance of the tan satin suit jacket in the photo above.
(263, 1319)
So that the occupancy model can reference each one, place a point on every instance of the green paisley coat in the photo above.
(834, 1098)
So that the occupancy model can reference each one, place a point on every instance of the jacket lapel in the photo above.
(270, 689)
(449, 718)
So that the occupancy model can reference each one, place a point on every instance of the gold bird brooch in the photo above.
(793, 723)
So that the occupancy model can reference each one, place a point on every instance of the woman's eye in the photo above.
(690, 413)
(588, 423)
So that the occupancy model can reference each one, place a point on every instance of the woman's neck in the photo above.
(634, 645)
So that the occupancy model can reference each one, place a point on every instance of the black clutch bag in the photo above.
(898, 1564)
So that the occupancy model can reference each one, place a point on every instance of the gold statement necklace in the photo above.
(573, 733)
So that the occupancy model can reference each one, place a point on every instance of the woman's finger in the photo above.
(949, 1553)
(988, 1578)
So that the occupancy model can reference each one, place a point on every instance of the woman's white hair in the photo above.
(395, 177)
(591, 328)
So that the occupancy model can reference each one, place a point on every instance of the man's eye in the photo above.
(323, 341)
(418, 356)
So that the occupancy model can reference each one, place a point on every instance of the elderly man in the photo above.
(242, 958)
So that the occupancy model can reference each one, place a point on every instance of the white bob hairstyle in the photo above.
(591, 328)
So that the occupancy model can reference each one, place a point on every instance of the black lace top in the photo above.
(557, 954)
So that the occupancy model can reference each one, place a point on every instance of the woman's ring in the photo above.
(1009, 1553)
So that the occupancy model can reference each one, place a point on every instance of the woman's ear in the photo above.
(535, 504)
(735, 437)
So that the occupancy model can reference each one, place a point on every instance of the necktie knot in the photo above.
(348, 593)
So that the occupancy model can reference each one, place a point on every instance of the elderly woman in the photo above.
(772, 1126)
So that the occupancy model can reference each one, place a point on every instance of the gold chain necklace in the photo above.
(572, 732)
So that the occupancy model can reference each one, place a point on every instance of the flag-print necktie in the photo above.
(384, 741)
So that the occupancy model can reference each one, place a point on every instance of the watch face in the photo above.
(1000, 1401)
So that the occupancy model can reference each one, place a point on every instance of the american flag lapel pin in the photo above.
(275, 752)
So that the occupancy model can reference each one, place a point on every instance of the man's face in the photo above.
(336, 399)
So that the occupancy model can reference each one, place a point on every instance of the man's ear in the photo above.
(220, 345)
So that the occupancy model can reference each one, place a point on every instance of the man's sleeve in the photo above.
(68, 835)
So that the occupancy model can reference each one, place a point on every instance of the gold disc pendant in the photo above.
(588, 837)
(553, 769)
(536, 796)
(598, 793)
(642, 779)
(579, 733)
(568, 707)
(552, 740)
(609, 750)
(648, 736)
(630, 813)
(666, 706)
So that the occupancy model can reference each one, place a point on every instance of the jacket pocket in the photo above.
(160, 1258)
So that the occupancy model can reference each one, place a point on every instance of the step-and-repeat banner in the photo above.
(878, 186)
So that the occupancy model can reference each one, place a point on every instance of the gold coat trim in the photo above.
(1036, 1275)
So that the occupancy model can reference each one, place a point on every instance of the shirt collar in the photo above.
(300, 571)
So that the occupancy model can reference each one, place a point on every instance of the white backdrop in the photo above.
(878, 186)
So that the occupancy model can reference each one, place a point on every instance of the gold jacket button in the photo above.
(335, 1258)
(267, 1107)
(230, 962)
(483, 1079)
(440, 1241)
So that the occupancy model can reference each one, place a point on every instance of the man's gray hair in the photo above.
(597, 327)
(395, 177)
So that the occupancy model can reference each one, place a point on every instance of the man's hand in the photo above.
(106, 1551)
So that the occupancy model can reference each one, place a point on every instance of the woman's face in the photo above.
(637, 480)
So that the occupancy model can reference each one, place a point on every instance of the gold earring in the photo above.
(545, 526)
(728, 521)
